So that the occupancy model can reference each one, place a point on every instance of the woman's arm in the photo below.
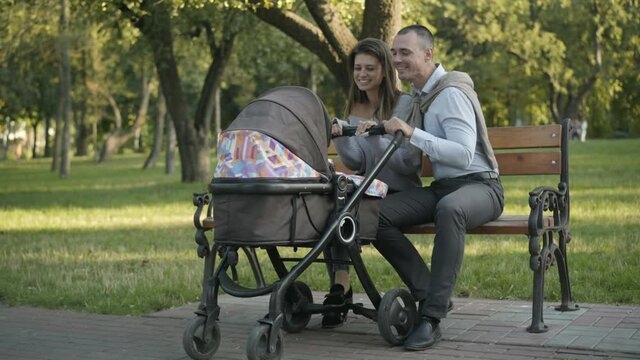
(350, 149)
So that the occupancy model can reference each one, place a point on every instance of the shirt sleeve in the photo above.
(454, 113)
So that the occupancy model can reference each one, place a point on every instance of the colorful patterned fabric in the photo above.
(376, 189)
(246, 154)
(250, 154)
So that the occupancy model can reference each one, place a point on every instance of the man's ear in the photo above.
(428, 55)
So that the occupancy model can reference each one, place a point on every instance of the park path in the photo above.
(475, 329)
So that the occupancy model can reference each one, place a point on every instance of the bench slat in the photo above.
(505, 225)
(524, 137)
(530, 163)
(516, 163)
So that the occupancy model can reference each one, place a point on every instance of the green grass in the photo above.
(115, 239)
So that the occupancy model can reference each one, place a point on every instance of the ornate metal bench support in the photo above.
(556, 201)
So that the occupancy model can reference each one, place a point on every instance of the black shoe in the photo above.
(335, 316)
(423, 335)
(450, 307)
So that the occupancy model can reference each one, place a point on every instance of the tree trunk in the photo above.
(47, 142)
(57, 138)
(97, 117)
(170, 160)
(330, 38)
(158, 129)
(63, 136)
(119, 136)
(156, 27)
(34, 148)
(217, 115)
(193, 135)
(83, 131)
(381, 19)
(65, 161)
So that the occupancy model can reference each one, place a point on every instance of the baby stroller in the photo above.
(275, 187)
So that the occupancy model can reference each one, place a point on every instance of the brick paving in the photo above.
(475, 329)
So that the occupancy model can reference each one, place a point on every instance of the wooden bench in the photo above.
(528, 151)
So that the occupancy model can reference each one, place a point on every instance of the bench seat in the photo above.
(504, 225)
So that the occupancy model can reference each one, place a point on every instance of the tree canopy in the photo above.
(532, 61)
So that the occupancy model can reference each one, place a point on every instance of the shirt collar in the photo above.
(431, 82)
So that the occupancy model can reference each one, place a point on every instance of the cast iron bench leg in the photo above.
(563, 272)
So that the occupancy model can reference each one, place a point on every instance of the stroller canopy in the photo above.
(296, 118)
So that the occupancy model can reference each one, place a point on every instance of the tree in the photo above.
(158, 128)
(329, 36)
(562, 52)
(65, 89)
(154, 20)
(28, 61)
(120, 134)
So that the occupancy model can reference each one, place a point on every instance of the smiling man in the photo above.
(466, 191)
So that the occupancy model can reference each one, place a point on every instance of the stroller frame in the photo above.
(291, 303)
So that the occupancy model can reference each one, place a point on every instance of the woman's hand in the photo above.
(394, 124)
(363, 126)
(336, 129)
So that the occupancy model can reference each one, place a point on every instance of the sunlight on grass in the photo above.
(99, 218)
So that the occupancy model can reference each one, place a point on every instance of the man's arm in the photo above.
(454, 113)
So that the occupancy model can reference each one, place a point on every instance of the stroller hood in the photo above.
(295, 117)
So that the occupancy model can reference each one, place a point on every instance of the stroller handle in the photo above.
(393, 146)
(349, 130)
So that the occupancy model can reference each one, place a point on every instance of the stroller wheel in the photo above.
(258, 344)
(396, 315)
(295, 319)
(194, 340)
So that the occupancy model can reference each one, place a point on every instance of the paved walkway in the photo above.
(476, 329)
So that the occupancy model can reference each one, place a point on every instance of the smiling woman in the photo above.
(373, 97)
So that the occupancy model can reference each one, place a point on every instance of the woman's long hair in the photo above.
(388, 91)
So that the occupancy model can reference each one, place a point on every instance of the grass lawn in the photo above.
(115, 239)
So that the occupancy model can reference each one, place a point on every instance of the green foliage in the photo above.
(27, 59)
(116, 240)
(532, 61)
(524, 56)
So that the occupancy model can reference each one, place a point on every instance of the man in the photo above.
(465, 193)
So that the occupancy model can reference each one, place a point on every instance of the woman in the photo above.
(373, 97)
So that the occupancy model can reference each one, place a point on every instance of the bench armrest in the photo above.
(541, 200)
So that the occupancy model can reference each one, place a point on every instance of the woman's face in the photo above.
(367, 72)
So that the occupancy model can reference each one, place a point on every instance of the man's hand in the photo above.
(394, 124)
(363, 126)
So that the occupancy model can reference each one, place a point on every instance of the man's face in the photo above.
(410, 60)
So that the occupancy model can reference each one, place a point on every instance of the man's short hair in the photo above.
(424, 35)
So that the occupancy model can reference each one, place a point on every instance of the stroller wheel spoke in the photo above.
(396, 315)
(258, 344)
(295, 319)
(194, 339)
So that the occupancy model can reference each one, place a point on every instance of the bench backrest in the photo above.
(521, 150)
